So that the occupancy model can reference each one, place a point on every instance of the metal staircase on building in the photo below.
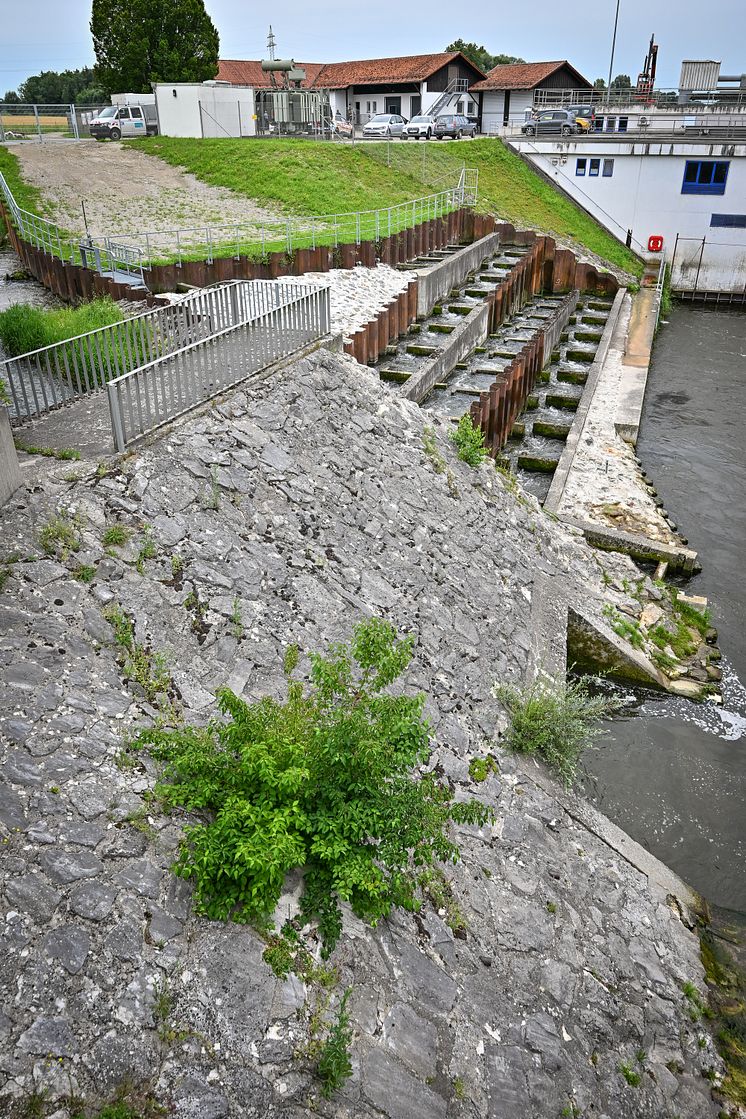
(455, 88)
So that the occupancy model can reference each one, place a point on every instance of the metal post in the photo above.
(696, 278)
(117, 429)
(74, 122)
(613, 47)
(38, 124)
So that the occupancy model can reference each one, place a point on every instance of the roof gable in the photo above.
(526, 75)
(249, 72)
(382, 71)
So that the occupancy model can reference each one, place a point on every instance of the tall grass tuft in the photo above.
(556, 719)
(24, 328)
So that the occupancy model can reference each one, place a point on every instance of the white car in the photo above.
(419, 128)
(384, 124)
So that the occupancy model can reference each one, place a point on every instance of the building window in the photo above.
(595, 167)
(610, 124)
(580, 166)
(728, 221)
(608, 170)
(704, 176)
(623, 122)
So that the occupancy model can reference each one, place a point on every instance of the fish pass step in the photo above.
(422, 351)
(551, 430)
(559, 400)
(538, 464)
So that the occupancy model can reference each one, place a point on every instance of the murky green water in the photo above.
(673, 774)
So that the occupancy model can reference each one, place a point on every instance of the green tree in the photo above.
(599, 84)
(11, 97)
(621, 81)
(52, 87)
(323, 781)
(137, 42)
(480, 56)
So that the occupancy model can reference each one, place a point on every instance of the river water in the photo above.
(673, 773)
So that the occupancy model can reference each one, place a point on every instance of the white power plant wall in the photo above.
(644, 194)
(201, 110)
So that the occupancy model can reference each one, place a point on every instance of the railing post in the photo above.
(117, 429)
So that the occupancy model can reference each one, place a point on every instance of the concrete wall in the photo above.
(437, 280)
(227, 110)
(10, 472)
(644, 194)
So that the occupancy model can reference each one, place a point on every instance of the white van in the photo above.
(116, 121)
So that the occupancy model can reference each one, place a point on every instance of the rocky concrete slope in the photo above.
(545, 981)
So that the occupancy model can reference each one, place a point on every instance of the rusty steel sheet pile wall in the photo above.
(75, 283)
(497, 409)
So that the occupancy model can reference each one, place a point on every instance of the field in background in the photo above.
(303, 177)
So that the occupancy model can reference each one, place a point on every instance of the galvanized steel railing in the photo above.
(44, 379)
(148, 397)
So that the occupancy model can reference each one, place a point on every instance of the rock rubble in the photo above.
(285, 512)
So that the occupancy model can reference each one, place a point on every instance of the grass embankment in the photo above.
(309, 178)
(24, 328)
(28, 197)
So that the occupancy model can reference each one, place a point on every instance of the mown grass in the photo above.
(24, 328)
(303, 177)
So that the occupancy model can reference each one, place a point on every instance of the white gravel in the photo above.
(358, 294)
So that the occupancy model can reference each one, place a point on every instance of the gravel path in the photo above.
(127, 192)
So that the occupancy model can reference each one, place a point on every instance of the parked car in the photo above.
(384, 124)
(454, 126)
(124, 120)
(553, 122)
(420, 128)
(585, 115)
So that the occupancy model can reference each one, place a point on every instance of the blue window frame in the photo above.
(580, 166)
(704, 176)
(729, 221)
(595, 167)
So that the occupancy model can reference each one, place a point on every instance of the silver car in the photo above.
(384, 124)
(419, 128)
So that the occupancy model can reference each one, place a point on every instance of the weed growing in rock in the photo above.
(632, 1077)
(177, 565)
(116, 536)
(236, 619)
(557, 720)
(84, 572)
(5, 574)
(147, 669)
(334, 1065)
(59, 536)
(551, 907)
(63, 454)
(481, 768)
(148, 550)
(322, 781)
(469, 441)
(212, 499)
(459, 1088)
(626, 628)
(430, 448)
(437, 889)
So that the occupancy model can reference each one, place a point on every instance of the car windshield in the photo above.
(420, 120)
(380, 119)
(445, 120)
(109, 111)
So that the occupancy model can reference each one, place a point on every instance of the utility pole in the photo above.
(271, 43)
(613, 47)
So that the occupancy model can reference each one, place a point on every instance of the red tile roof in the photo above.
(339, 75)
(526, 75)
(239, 72)
(386, 71)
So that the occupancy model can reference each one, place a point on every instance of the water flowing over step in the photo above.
(538, 439)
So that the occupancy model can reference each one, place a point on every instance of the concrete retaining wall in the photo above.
(461, 342)
(436, 281)
(11, 478)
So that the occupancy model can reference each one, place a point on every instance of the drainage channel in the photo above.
(427, 338)
(539, 435)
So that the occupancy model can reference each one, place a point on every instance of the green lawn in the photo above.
(306, 177)
(28, 197)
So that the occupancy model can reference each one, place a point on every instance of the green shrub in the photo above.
(322, 781)
(469, 441)
(557, 721)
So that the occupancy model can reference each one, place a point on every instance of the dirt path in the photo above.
(127, 193)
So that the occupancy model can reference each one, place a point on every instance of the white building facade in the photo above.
(205, 109)
(690, 194)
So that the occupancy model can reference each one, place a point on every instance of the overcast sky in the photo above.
(53, 34)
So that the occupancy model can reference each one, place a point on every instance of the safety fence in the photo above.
(155, 393)
(41, 123)
(44, 379)
(137, 261)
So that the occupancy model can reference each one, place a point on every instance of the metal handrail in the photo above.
(287, 235)
(44, 379)
(157, 392)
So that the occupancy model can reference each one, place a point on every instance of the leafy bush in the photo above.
(334, 1066)
(469, 441)
(558, 721)
(322, 781)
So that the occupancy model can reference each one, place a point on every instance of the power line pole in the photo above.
(613, 46)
